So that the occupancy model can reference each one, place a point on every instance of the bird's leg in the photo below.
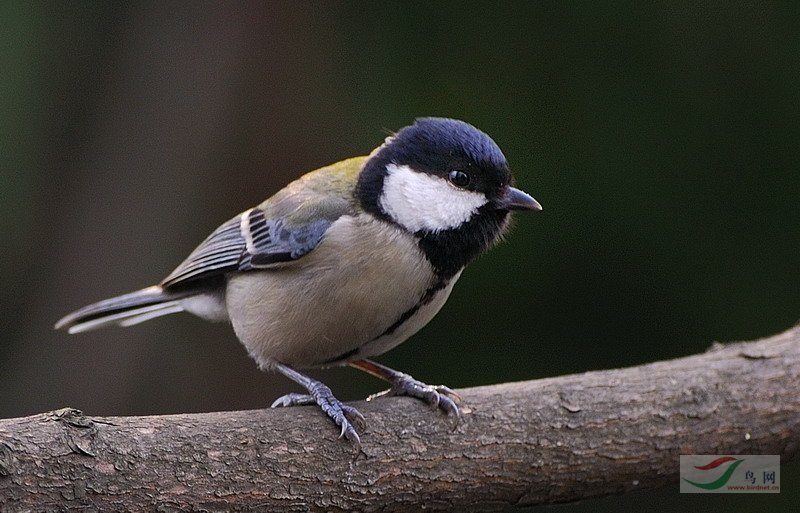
(319, 393)
(403, 384)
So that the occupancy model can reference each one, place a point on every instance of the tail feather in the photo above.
(124, 310)
(166, 309)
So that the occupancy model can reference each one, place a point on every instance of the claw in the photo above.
(448, 405)
(321, 395)
(340, 413)
(348, 431)
(450, 393)
(354, 416)
(437, 396)
(377, 395)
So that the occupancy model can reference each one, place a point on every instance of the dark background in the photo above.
(662, 141)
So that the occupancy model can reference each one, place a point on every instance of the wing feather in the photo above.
(282, 229)
(249, 242)
(219, 253)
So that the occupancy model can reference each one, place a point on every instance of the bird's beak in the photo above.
(515, 199)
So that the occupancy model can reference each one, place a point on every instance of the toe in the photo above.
(343, 415)
(348, 431)
(450, 393)
(437, 396)
(354, 416)
(293, 400)
(448, 405)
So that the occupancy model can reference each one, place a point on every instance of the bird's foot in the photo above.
(438, 396)
(343, 415)
(293, 400)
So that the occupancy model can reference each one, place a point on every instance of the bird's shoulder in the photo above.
(325, 193)
(284, 228)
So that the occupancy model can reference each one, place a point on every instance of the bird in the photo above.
(344, 263)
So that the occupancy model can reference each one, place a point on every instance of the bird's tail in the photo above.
(124, 310)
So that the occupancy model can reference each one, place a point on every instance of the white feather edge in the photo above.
(129, 317)
(244, 229)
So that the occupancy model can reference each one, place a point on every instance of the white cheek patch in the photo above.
(423, 202)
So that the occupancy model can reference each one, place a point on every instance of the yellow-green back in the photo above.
(325, 193)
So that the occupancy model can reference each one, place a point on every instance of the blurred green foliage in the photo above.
(661, 138)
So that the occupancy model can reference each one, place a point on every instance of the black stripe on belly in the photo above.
(341, 357)
(426, 298)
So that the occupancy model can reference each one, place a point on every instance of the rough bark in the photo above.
(544, 441)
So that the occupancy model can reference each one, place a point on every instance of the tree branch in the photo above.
(536, 442)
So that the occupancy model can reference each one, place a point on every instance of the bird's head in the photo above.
(438, 174)
(445, 181)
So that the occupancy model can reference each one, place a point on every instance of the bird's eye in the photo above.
(459, 178)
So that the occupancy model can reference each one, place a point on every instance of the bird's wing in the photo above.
(284, 228)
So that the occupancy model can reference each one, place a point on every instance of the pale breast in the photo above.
(412, 321)
(341, 297)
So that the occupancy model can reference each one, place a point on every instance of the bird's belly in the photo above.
(422, 315)
(342, 297)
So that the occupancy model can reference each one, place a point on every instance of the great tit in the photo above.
(344, 263)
